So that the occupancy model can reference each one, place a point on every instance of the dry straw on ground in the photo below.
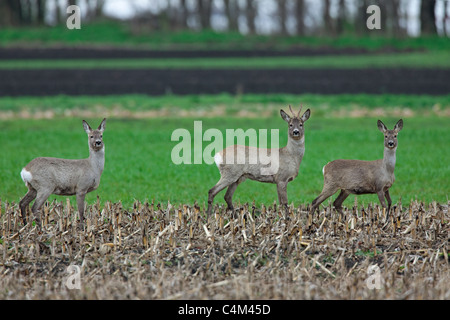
(219, 110)
(155, 251)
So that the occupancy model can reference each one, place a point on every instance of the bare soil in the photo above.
(191, 81)
(80, 52)
(214, 81)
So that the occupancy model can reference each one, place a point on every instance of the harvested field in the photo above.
(155, 251)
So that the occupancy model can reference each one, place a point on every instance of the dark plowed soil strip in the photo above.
(108, 53)
(158, 82)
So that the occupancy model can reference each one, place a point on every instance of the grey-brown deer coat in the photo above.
(44, 176)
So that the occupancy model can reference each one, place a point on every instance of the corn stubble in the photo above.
(156, 251)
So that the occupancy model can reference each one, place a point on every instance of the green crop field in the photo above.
(416, 60)
(109, 33)
(138, 151)
(382, 51)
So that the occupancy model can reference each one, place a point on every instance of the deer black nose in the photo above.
(98, 142)
(296, 132)
(391, 143)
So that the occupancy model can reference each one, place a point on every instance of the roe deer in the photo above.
(362, 177)
(46, 176)
(286, 162)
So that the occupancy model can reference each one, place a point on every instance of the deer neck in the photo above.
(296, 147)
(389, 159)
(97, 159)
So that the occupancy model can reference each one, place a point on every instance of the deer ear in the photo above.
(399, 125)
(306, 115)
(381, 126)
(87, 127)
(102, 125)
(285, 116)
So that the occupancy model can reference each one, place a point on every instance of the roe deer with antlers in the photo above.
(46, 176)
(362, 177)
(280, 167)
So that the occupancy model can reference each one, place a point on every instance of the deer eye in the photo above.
(92, 137)
(101, 136)
(385, 137)
(290, 125)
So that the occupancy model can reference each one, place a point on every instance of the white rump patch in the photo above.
(323, 169)
(26, 176)
(218, 159)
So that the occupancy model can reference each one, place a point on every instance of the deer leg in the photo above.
(381, 198)
(389, 201)
(326, 192)
(340, 199)
(30, 196)
(41, 197)
(222, 184)
(229, 195)
(282, 195)
(230, 191)
(80, 205)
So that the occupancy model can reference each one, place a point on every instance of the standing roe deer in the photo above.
(286, 161)
(46, 176)
(362, 177)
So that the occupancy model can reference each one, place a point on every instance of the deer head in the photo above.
(296, 128)
(390, 136)
(95, 136)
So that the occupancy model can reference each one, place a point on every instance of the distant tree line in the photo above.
(34, 12)
(331, 17)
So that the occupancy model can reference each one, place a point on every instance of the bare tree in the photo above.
(40, 11)
(10, 12)
(282, 15)
(95, 8)
(3, 13)
(445, 19)
(232, 13)
(25, 12)
(327, 20)
(427, 17)
(341, 17)
(395, 17)
(300, 16)
(250, 14)
(183, 14)
(361, 16)
(204, 12)
(58, 16)
(22, 12)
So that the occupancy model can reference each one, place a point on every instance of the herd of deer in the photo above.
(46, 176)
